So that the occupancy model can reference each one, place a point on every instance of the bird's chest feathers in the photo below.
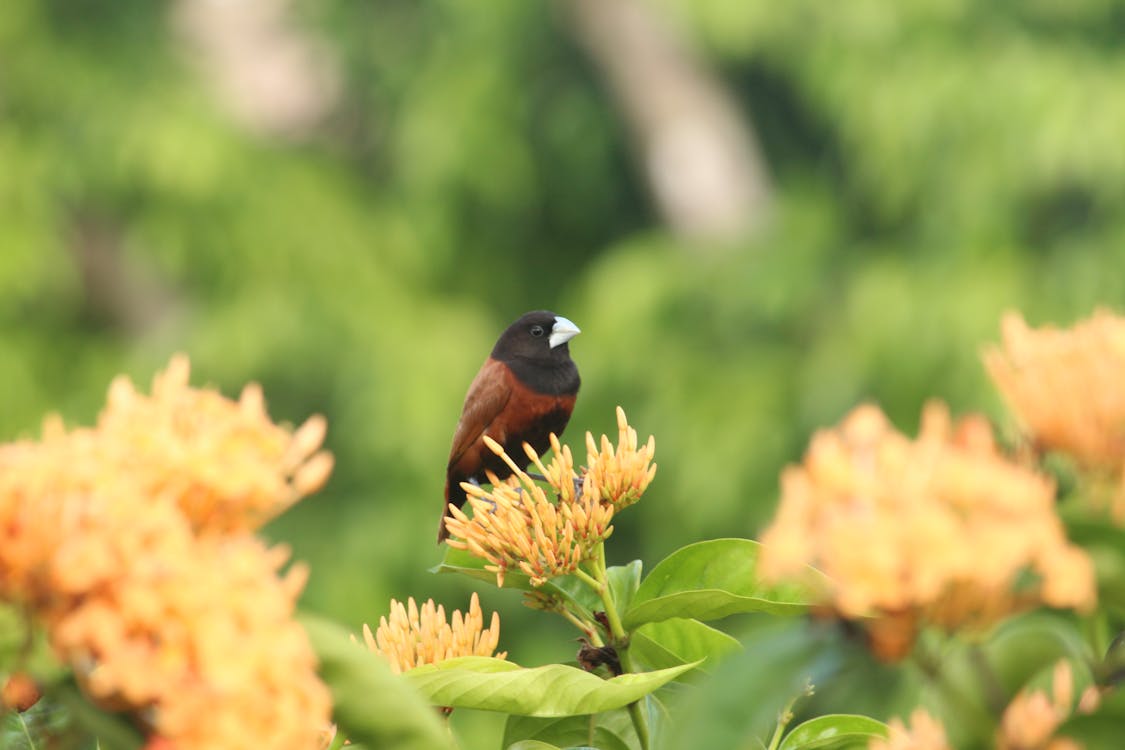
(534, 417)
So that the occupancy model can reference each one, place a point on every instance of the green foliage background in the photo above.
(934, 164)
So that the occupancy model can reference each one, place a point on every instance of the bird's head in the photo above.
(537, 335)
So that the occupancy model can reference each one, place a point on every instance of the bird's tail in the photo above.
(458, 498)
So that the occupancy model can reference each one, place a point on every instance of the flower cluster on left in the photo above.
(131, 543)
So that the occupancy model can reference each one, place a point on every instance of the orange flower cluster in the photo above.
(516, 526)
(226, 465)
(619, 476)
(1030, 720)
(118, 538)
(898, 526)
(924, 733)
(1064, 386)
(413, 637)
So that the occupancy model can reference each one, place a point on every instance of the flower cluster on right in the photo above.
(1064, 387)
(898, 526)
(947, 530)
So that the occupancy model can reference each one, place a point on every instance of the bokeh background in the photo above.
(759, 213)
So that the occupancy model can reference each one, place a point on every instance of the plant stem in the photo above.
(26, 733)
(452, 736)
(619, 639)
(589, 580)
(636, 710)
(783, 720)
(588, 628)
(640, 723)
(615, 628)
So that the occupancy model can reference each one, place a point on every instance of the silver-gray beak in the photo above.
(562, 331)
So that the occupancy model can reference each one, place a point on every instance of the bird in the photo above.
(525, 391)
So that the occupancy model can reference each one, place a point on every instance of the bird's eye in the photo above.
(537, 331)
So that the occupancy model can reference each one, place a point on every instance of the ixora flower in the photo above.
(897, 526)
(224, 462)
(158, 604)
(1030, 720)
(413, 636)
(1064, 386)
(515, 525)
(620, 475)
(923, 733)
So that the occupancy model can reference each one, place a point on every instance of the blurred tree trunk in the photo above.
(272, 75)
(119, 293)
(700, 158)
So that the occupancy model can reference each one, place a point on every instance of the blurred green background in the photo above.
(759, 213)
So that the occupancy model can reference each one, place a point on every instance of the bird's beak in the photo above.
(562, 331)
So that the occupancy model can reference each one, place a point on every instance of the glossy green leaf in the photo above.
(834, 731)
(553, 690)
(612, 730)
(373, 706)
(713, 579)
(532, 745)
(680, 641)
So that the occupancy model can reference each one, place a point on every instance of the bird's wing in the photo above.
(488, 394)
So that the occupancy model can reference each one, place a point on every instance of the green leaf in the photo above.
(624, 581)
(12, 632)
(553, 690)
(23, 641)
(713, 579)
(1085, 527)
(738, 705)
(612, 730)
(1026, 644)
(532, 745)
(1100, 730)
(373, 706)
(112, 730)
(659, 718)
(859, 683)
(679, 641)
(65, 718)
(1105, 543)
(834, 731)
